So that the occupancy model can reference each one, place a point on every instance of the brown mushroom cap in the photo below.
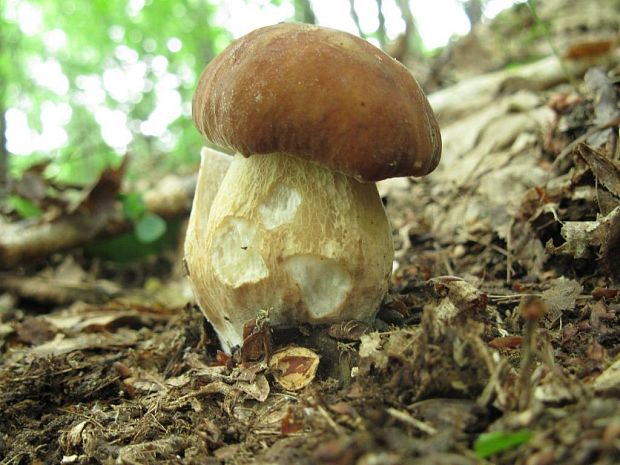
(319, 94)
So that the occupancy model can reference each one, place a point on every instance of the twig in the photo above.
(381, 35)
(335, 426)
(509, 252)
(81, 415)
(406, 418)
(356, 18)
(14, 459)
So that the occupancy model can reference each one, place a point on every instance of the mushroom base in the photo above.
(285, 235)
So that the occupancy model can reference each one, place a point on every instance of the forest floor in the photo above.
(498, 343)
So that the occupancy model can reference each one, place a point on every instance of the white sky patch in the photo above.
(168, 106)
(48, 74)
(494, 7)
(114, 129)
(54, 40)
(240, 17)
(439, 20)
(91, 94)
(28, 16)
(18, 134)
(334, 14)
(168, 109)
(187, 75)
(126, 84)
(126, 54)
(369, 20)
(159, 64)
(116, 33)
(21, 140)
(58, 113)
(134, 7)
(394, 22)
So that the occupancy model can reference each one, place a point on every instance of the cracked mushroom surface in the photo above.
(297, 226)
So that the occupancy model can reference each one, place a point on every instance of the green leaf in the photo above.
(488, 444)
(150, 228)
(126, 248)
(24, 207)
(133, 205)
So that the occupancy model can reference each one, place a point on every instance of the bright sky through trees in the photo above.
(125, 79)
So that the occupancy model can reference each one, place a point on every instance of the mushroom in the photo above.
(297, 227)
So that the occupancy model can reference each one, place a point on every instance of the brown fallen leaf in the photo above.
(583, 236)
(606, 170)
(292, 422)
(506, 342)
(294, 367)
(257, 343)
(604, 293)
(588, 49)
(35, 331)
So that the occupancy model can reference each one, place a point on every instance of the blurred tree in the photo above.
(105, 78)
(381, 33)
(410, 41)
(120, 74)
(474, 10)
(4, 154)
(356, 19)
(304, 12)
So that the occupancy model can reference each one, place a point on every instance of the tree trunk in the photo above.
(473, 10)
(381, 33)
(4, 154)
(356, 18)
(304, 12)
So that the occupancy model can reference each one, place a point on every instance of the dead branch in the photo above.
(27, 240)
(356, 18)
(172, 198)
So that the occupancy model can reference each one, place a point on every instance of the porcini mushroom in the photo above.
(297, 226)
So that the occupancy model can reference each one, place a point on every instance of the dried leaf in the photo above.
(258, 389)
(92, 318)
(604, 293)
(581, 236)
(257, 343)
(95, 341)
(506, 342)
(294, 367)
(292, 422)
(371, 349)
(588, 49)
(608, 382)
(35, 331)
(561, 295)
(605, 169)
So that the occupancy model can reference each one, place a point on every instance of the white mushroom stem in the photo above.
(291, 237)
(213, 168)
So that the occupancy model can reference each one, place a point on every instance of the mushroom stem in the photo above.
(213, 167)
(291, 237)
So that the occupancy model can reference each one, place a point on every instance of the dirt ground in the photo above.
(498, 343)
